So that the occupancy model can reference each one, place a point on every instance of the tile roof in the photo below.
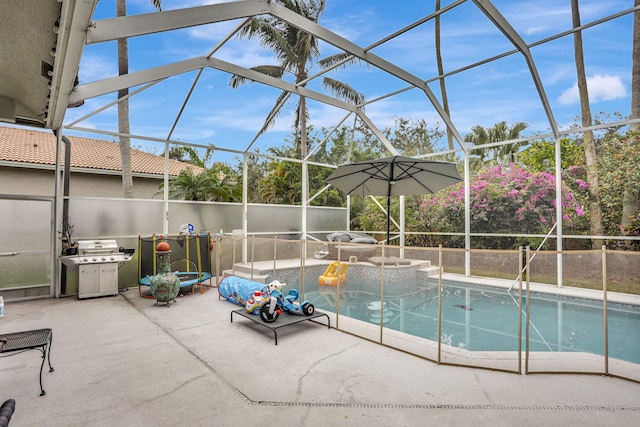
(35, 147)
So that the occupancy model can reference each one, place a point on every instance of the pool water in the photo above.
(486, 319)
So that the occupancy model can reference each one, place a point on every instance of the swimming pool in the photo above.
(480, 318)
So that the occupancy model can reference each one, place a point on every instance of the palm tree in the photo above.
(190, 155)
(503, 154)
(190, 186)
(296, 52)
(124, 127)
(224, 184)
(591, 160)
(280, 186)
(210, 185)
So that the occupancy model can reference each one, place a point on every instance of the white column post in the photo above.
(558, 160)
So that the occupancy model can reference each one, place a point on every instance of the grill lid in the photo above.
(97, 247)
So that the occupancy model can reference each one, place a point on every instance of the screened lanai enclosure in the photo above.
(184, 88)
(537, 104)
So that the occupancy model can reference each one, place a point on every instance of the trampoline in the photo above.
(191, 261)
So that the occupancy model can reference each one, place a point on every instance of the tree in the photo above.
(350, 144)
(218, 184)
(413, 138)
(618, 159)
(540, 155)
(591, 158)
(256, 171)
(190, 155)
(124, 127)
(631, 199)
(503, 154)
(296, 52)
(224, 181)
(282, 184)
(635, 70)
(189, 186)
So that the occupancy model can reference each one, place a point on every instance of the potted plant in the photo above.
(69, 247)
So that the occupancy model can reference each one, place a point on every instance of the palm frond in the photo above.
(295, 51)
(275, 112)
(343, 91)
(236, 81)
(254, 27)
(340, 59)
(269, 32)
(276, 71)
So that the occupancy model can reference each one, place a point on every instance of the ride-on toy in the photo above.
(278, 302)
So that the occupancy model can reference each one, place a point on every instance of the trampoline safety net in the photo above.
(190, 257)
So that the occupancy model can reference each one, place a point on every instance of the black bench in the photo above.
(18, 342)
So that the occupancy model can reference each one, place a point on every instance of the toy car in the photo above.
(278, 302)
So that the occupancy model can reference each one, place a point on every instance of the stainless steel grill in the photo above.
(97, 262)
(98, 251)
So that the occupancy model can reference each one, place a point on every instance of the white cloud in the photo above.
(558, 72)
(602, 87)
(532, 31)
(96, 67)
(213, 32)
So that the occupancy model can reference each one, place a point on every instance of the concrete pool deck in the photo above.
(121, 360)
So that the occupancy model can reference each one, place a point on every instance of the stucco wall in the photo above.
(39, 182)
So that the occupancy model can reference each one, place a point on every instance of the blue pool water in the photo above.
(486, 319)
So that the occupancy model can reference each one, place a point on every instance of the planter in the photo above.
(70, 250)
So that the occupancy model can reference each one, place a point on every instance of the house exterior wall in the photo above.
(41, 182)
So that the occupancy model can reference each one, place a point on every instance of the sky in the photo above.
(500, 90)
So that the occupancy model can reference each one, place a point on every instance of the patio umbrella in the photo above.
(394, 176)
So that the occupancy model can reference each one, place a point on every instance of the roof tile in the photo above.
(30, 146)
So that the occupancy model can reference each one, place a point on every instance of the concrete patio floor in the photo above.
(123, 361)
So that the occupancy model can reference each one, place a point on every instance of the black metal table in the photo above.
(37, 339)
(285, 319)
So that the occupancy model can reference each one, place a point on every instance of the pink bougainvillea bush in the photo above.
(504, 200)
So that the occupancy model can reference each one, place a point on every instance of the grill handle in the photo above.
(97, 251)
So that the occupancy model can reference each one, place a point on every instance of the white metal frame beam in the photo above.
(74, 20)
(157, 22)
(503, 25)
(131, 26)
(349, 47)
(113, 84)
